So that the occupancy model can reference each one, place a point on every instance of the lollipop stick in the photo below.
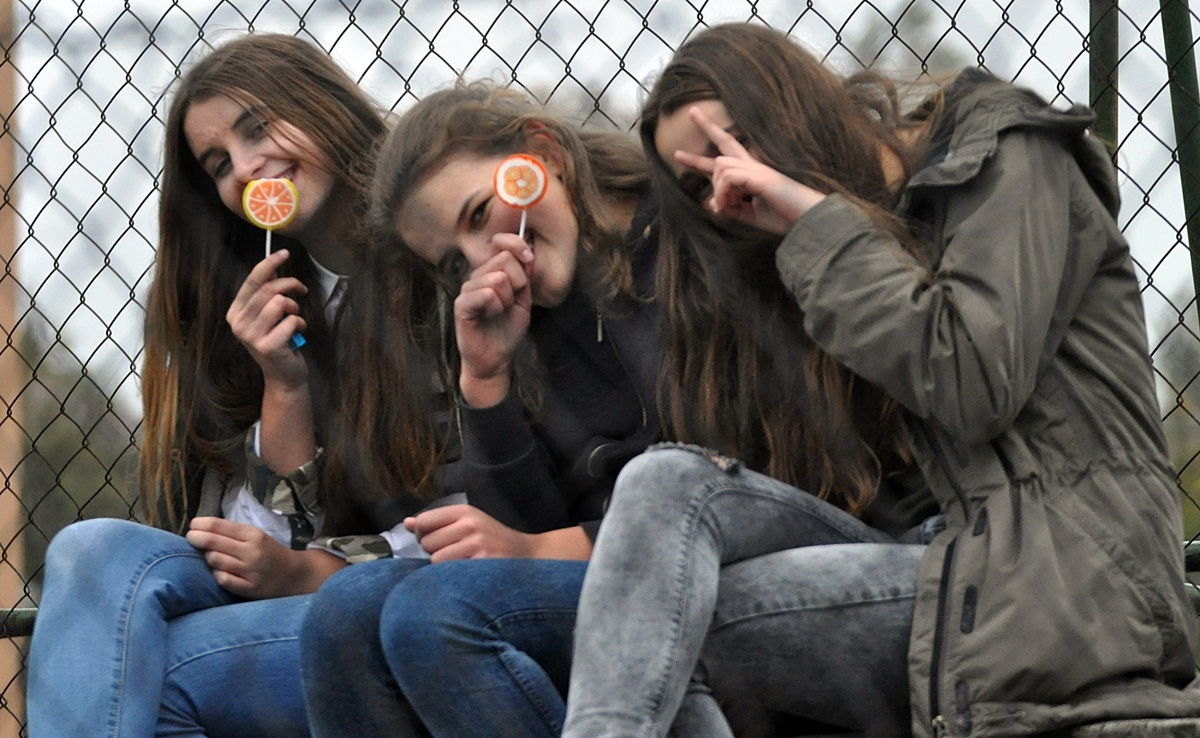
(521, 228)
(268, 244)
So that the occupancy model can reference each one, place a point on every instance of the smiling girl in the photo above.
(141, 630)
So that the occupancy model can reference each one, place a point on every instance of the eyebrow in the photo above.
(208, 153)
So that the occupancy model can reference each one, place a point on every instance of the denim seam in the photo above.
(691, 520)
(229, 647)
(135, 583)
(803, 608)
(518, 675)
(528, 614)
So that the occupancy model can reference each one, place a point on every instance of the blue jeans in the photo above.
(135, 638)
(482, 648)
(347, 682)
(708, 575)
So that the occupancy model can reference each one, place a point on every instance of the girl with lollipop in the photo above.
(143, 630)
(539, 233)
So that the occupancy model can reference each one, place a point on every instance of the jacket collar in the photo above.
(988, 107)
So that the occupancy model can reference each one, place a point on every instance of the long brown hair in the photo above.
(742, 374)
(479, 119)
(201, 390)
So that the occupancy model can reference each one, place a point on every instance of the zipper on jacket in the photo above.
(940, 726)
(617, 353)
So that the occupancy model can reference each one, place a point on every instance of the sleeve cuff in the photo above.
(287, 494)
(354, 549)
(498, 434)
(591, 528)
(825, 225)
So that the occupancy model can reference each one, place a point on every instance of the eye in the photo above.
(222, 168)
(452, 270)
(257, 129)
(479, 214)
(695, 186)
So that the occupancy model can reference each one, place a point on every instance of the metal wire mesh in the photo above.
(89, 82)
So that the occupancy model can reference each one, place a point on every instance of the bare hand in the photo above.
(263, 317)
(491, 318)
(249, 563)
(743, 188)
(466, 532)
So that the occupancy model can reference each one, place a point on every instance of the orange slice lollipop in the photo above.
(270, 203)
(520, 181)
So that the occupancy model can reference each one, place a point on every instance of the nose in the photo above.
(247, 163)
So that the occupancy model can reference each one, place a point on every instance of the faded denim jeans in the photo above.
(135, 637)
(708, 576)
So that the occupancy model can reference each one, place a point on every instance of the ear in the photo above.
(545, 145)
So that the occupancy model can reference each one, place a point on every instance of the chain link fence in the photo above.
(84, 88)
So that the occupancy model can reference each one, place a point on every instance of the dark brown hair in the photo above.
(600, 167)
(201, 389)
(742, 374)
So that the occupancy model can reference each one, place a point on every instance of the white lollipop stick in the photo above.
(268, 253)
(520, 182)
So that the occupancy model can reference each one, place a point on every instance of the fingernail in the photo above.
(527, 255)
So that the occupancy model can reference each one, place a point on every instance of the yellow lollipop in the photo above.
(520, 181)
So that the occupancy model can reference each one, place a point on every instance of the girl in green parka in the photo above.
(931, 324)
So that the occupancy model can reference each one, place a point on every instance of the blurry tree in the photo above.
(79, 457)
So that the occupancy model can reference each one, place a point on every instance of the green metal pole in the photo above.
(1102, 70)
(1185, 109)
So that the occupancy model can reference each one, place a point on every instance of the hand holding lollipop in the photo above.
(271, 204)
(520, 182)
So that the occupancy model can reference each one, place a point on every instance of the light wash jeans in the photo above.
(135, 638)
(710, 575)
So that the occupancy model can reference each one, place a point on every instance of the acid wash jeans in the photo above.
(134, 637)
(708, 576)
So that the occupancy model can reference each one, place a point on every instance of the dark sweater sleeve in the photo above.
(515, 478)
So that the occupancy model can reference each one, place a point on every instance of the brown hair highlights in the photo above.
(600, 167)
(478, 119)
(201, 389)
(742, 374)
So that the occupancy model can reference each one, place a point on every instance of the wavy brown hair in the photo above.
(201, 389)
(742, 374)
(600, 167)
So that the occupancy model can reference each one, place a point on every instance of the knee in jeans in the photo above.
(422, 609)
(83, 541)
(668, 471)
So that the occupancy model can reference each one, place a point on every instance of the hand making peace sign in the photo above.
(743, 188)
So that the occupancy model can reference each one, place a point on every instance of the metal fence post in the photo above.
(1176, 21)
(1102, 69)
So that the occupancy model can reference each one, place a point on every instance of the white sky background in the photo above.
(93, 80)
